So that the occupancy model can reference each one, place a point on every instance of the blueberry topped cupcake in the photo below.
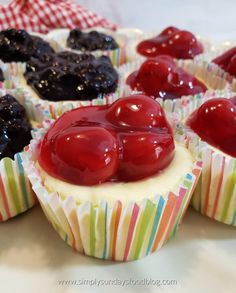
(16, 195)
(15, 127)
(90, 41)
(67, 76)
(98, 41)
(20, 46)
(117, 176)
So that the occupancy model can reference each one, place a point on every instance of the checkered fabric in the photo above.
(42, 16)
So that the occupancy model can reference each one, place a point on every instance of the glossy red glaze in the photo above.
(171, 41)
(126, 141)
(162, 78)
(227, 61)
(215, 123)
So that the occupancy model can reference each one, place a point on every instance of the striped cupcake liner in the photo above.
(16, 194)
(40, 109)
(200, 70)
(215, 194)
(119, 232)
(133, 55)
(117, 56)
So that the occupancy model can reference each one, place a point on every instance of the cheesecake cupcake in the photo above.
(173, 83)
(97, 41)
(172, 41)
(210, 132)
(111, 179)
(227, 63)
(16, 195)
(58, 82)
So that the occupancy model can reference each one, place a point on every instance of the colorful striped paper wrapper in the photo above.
(119, 232)
(200, 70)
(215, 194)
(40, 109)
(133, 55)
(57, 38)
(16, 194)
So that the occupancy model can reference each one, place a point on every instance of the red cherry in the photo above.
(144, 154)
(169, 31)
(136, 111)
(83, 155)
(215, 123)
(224, 59)
(177, 43)
(161, 77)
(96, 144)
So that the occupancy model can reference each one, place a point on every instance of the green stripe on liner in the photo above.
(228, 194)
(155, 223)
(12, 183)
(105, 228)
(143, 227)
(22, 181)
(92, 231)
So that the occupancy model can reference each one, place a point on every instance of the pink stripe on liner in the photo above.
(117, 219)
(218, 188)
(4, 198)
(174, 215)
(131, 230)
(207, 190)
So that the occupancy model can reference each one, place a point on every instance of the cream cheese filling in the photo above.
(165, 181)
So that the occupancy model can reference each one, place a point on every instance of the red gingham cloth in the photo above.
(42, 16)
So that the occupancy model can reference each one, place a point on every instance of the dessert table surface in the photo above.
(202, 256)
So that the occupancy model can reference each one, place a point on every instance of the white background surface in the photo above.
(202, 257)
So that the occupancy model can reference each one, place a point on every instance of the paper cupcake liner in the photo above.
(40, 109)
(215, 194)
(16, 194)
(120, 232)
(202, 71)
(133, 55)
(59, 37)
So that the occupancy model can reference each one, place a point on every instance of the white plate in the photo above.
(201, 258)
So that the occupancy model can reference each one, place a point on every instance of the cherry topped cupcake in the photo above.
(162, 78)
(174, 42)
(116, 168)
(210, 130)
(20, 46)
(227, 61)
